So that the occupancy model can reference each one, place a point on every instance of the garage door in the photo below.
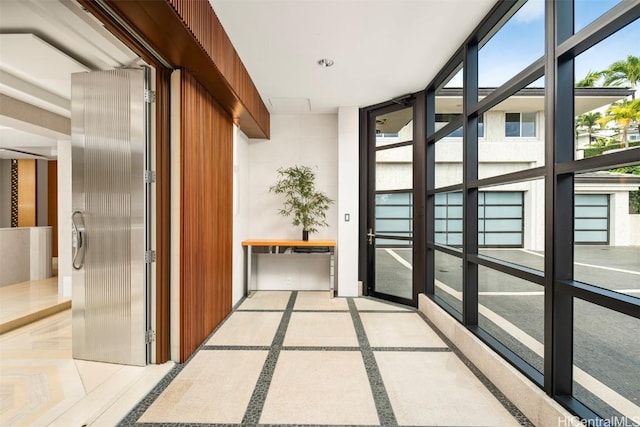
(592, 219)
(500, 219)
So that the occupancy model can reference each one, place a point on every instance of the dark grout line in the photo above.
(506, 403)
(131, 419)
(386, 415)
(256, 403)
(319, 348)
(236, 347)
(413, 349)
(388, 311)
(322, 348)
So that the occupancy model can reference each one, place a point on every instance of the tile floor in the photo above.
(41, 385)
(300, 358)
(26, 302)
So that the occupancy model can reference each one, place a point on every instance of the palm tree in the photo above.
(623, 113)
(623, 71)
(589, 121)
(590, 79)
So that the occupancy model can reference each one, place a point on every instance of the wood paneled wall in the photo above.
(206, 28)
(163, 214)
(27, 193)
(188, 35)
(206, 213)
(52, 203)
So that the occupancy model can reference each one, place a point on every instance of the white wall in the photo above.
(240, 210)
(310, 140)
(348, 197)
(634, 228)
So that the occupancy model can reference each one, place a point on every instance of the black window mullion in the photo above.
(419, 195)
(559, 119)
(430, 166)
(470, 194)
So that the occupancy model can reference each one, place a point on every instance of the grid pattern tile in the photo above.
(320, 382)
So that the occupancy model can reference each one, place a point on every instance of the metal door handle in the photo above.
(78, 239)
(370, 236)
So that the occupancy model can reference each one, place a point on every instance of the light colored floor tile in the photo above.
(247, 328)
(127, 400)
(27, 302)
(434, 388)
(93, 374)
(35, 392)
(399, 330)
(321, 330)
(215, 387)
(48, 338)
(369, 304)
(319, 388)
(266, 300)
(42, 385)
(26, 297)
(319, 300)
(111, 395)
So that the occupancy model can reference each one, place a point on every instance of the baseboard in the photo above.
(534, 403)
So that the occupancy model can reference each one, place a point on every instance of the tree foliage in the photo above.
(624, 113)
(590, 80)
(588, 121)
(307, 206)
(624, 71)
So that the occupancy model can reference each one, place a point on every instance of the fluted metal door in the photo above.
(109, 135)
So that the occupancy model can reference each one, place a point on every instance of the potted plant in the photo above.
(303, 202)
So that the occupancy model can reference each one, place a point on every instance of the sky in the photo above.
(521, 41)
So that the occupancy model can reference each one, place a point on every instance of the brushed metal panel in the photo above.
(108, 148)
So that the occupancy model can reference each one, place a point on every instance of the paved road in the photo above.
(606, 344)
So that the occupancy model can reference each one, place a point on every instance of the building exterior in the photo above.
(510, 140)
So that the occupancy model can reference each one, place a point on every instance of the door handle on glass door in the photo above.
(371, 235)
(78, 239)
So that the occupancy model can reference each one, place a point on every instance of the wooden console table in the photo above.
(275, 246)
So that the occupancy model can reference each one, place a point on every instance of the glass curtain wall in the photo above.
(532, 209)
(538, 284)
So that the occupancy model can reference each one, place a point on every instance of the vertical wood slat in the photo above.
(206, 212)
(52, 204)
(163, 215)
(27, 193)
(206, 28)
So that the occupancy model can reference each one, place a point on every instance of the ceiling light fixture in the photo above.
(325, 62)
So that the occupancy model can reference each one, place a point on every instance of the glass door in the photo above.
(390, 204)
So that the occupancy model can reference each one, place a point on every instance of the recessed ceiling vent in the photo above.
(289, 105)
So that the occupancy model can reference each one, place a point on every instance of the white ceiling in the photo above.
(42, 42)
(382, 48)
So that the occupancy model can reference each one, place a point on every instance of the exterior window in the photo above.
(445, 118)
(520, 125)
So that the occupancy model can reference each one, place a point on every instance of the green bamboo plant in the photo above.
(303, 202)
